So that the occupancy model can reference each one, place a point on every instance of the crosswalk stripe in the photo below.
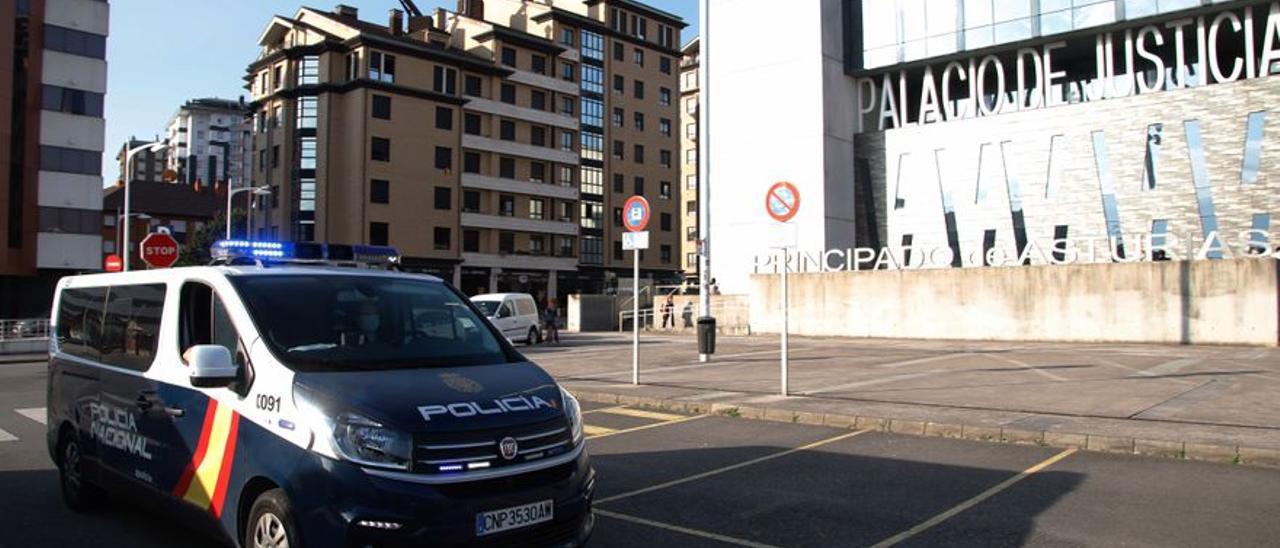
(34, 413)
(5, 436)
(596, 430)
(642, 414)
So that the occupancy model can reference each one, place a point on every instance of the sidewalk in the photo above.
(1204, 403)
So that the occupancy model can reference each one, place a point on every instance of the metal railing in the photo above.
(646, 319)
(25, 329)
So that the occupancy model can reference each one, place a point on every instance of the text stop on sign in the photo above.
(159, 250)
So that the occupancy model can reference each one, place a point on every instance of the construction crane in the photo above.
(410, 8)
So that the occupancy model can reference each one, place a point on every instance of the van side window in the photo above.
(80, 321)
(525, 307)
(203, 319)
(505, 311)
(131, 325)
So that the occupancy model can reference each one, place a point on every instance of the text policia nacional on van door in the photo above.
(1155, 57)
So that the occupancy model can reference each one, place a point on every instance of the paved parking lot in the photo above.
(696, 480)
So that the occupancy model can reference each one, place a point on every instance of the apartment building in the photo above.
(689, 158)
(148, 165)
(476, 141)
(53, 77)
(208, 141)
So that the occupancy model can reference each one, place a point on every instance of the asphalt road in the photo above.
(675, 480)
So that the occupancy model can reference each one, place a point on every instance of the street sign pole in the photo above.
(635, 316)
(786, 319)
(635, 217)
(782, 202)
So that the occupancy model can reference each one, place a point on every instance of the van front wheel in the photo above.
(270, 522)
(534, 337)
(78, 494)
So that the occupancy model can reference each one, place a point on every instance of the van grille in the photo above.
(458, 452)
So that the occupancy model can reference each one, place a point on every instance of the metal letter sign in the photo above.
(635, 213)
(782, 202)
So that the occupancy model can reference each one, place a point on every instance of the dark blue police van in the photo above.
(276, 404)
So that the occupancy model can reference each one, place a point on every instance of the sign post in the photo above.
(159, 250)
(782, 202)
(635, 216)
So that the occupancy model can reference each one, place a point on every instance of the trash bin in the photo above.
(706, 335)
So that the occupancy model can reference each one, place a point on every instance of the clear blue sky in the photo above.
(164, 52)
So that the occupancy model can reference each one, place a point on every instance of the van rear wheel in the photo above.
(77, 493)
(270, 522)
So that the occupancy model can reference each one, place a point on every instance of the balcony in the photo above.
(499, 184)
(519, 224)
(512, 148)
(534, 79)
(489, 106)
(519, 261)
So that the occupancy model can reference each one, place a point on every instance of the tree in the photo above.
(196, 252)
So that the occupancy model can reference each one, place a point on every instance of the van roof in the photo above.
(162, 275)
(499, 296)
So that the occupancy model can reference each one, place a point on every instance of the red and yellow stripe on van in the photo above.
(204, 480)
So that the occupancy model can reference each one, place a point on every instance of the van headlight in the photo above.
(574, 412)
(355, 438)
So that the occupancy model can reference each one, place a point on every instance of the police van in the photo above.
(280, 404)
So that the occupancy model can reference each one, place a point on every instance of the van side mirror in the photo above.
(211, 366)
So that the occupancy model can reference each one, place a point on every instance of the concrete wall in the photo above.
(592, 313)
(1208, 302)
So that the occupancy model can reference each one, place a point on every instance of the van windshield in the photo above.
(490, 308)
(317, 323)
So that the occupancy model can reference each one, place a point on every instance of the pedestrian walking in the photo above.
(551, 322)
(669, 312)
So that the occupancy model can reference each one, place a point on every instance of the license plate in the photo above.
(497, 521)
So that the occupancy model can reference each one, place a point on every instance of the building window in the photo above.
(444, 198)
(665, 254)
(471, 241)
(617, 150)
(664, 190)
(639, 186)
(72, 101)
(618, 117)
(538, 64)
(619, 183)
(507, 168)
(617, 216)
(537, 245)
(567, 71)
(471, 124)
(382, 107)
(509, 56)
(378, 234)
(619, 51)
(70, 160)
(445, 80)
(507, 205)
(566, 106)
(471, 201)
(592, 146)
(691, 130)
(473, 86)
(84, 44)
(566, 140)
(691, 233)
(691, 182)
(537, 100)
(444, 118)
(619, 84)
(309, 70)
(506, 242)
(566, 176)
(507, 130)
(382, 67)
(618, 252)
(307, 111)
(639, 121)
(638, 57)
(380, 149)
(566, 247)
(638, 157)
(536, 209)
(380, 191)
(565, 213)
(566, 37)
(538, 136)
(275, 157)
(1252, 147)
(664, 96)
(664, 127)
(306, 155)
(537, 172)
(507, 94)
(639, 89)
(664, 65)
(444, 158)
(592, 181)
(592, 112)
(691, 105)
(665, 219)
(443, 238)
(471, 162)
(664, 158)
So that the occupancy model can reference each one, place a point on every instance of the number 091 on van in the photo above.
(314, 406)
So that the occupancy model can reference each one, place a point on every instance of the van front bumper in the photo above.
(338, 504)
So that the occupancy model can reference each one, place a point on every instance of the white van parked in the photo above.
(515, 314)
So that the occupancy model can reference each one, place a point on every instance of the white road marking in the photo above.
(709, 396)
(685, 530)
(904, 363)
(5, 436)
(34, 413)
(872, 382)
(1028, 367)
(1169, 367)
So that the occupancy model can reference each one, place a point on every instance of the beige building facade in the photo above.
(689, 98)
(474, 140)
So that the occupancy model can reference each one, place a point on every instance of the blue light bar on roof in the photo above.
(228, 250)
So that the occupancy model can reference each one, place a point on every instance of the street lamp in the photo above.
(128, 167)
(121, 220)
(256, 191)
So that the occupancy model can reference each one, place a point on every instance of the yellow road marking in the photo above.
(646, 427)
(731, 467)
(684, 530)
(935, 520)
(642, 414)
(593, 431)
(602, 409)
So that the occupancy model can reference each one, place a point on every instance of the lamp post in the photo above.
(128, 168)
(121, 220)
(256, 190)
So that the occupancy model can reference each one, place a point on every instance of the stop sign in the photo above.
(159, 250)
(114, 264)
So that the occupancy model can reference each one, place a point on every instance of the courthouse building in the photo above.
(971, 133)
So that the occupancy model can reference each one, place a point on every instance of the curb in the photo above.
(1178, 450)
